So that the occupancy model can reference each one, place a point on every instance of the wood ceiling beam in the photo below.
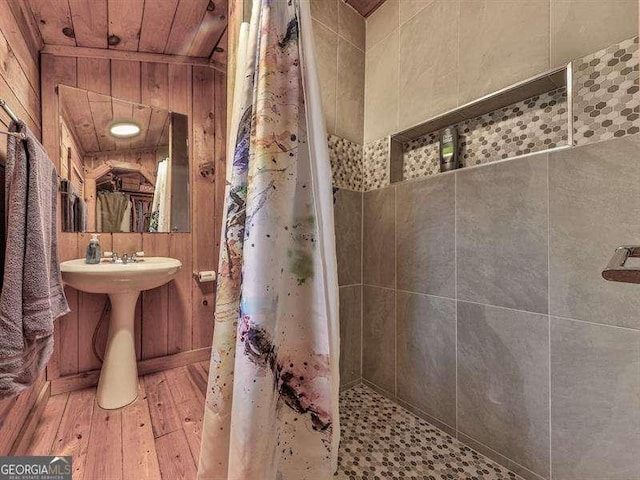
(110, 165)
(86, 52)
(220, 57)
(110, 153)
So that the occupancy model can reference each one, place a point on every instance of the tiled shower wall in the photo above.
(605, 104)
(348, 221)
(535, 124)
(484, 309)
(339, 34)
(479, 302)
(606, 100)
(425, 57)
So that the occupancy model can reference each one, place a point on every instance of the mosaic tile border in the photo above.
(380, 439)
(421, 157)
(376, 164)
(606, 105)
(606, 102)
(533, 125)
(345, 157)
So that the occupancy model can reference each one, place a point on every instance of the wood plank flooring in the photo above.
(155, 438)
(158, 436)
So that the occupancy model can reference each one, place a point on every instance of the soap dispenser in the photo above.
(94, 252)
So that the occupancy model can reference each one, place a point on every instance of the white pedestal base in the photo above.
(118, 384)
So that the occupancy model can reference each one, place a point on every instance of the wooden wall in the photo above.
(19, 73)
(20, 87)
(177, 317)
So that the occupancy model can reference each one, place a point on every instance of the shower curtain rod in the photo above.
(13, 117)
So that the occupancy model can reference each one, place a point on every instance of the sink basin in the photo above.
(107, 277)
(123, 282)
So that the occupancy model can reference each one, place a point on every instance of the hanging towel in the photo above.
(113, 209)
(79, 215)
(99, 213)
(32, 294)
(69, 199)
(64, 204)
(84, 215)
(3, 225)
(125, 226)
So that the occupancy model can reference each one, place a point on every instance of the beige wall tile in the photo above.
(378, 238)
(381, 89)
(378, 339)
(350, 334)
(428, 63)
(586, 187)
(595, 417)
(503, 382)
(408, 8)
(350, 92)
(425, 237)
(326, 58)
(382, 22)
(325, 11)
(348, 227)
(580, 27)
(501, 42)
(351, 25)
(501, 212)
(426, 354)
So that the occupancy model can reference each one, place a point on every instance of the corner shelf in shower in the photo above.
(540, 84)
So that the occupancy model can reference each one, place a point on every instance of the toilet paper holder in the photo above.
(205, 276)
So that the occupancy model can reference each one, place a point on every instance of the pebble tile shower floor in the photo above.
(381, 440)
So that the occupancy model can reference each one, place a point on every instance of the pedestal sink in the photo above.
(123, 282)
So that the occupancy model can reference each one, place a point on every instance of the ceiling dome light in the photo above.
(124, 129)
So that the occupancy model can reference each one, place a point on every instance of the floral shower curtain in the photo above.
(271, 411)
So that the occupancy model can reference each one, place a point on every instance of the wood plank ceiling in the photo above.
(89, 115)
(365, 7)
(192, 28)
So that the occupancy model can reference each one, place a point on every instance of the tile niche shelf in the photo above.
(552, 80)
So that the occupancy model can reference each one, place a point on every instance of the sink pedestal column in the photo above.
(118, 385)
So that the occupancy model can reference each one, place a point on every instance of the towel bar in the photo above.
(8, 111)
(19, 135)
(616, 270)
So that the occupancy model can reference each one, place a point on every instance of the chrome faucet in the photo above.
(127, 257)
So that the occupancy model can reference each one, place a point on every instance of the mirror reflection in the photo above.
(124, 166)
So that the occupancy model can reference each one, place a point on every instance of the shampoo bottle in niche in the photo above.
(448, 149)
(94, 252)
